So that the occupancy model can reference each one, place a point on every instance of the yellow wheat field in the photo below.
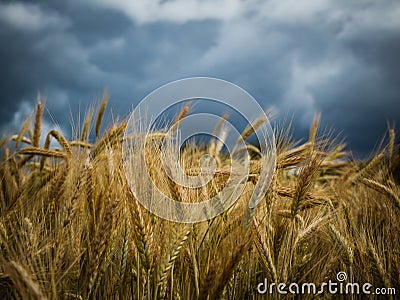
(70, 227)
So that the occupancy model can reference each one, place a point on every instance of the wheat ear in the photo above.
(169, 260)
(20, 136)
(42, 152)
(303, 184)
(383, 190)
(26, 285)
(344, 244)
(378, 269)
(100, 113)
(38, 125)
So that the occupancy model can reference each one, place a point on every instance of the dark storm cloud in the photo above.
(366, 98)
(39, 55)
(21, 61)
(92, 50)
(337, 57)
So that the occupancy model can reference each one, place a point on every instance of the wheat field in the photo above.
(70, 227)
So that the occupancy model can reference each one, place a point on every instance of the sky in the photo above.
(340, 58)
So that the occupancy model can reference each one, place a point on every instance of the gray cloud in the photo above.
(337, 57)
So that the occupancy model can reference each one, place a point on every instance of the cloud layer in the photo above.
(337, 57)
